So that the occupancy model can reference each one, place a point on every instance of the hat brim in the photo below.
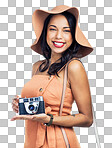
(38, 19)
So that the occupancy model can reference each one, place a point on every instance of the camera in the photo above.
(31, 106)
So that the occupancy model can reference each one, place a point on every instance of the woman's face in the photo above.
(58, 37)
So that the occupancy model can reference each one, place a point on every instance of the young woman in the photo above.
(60, 40)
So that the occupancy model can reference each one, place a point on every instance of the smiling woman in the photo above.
(62, 43)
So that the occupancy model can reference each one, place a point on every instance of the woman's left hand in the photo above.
(42, 118)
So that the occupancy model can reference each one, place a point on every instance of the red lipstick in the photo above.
(58, 45)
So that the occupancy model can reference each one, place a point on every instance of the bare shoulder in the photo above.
(75, 65)
(36, 65)
(76, 71)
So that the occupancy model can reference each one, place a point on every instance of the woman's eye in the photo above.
(52, 29)
(66, 30)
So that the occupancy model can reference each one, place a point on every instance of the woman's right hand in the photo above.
(15, 105)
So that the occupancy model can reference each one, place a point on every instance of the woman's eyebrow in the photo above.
(55, 26)
(66, 27)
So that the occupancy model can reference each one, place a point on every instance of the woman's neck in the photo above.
(54, 57)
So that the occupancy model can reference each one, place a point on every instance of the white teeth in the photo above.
(60, 44)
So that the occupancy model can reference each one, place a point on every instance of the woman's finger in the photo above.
(15, 108)
(48, 109)
(14, 103)
(22, 117)
(16, 111)
(16, 100)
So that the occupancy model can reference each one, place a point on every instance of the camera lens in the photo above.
(31, 107)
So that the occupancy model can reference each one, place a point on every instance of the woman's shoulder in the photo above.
(75, 64)
(76, 69)
(38, 63)
(36, 66)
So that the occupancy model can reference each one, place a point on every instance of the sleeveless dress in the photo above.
(38, 135)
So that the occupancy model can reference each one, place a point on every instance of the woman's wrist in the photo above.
(50, 120)
(66, 121)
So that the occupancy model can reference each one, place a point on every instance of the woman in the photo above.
(59, 40)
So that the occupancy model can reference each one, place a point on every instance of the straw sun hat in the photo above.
(38, 19)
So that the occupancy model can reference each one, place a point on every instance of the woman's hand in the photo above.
(42, 118)
(15, 105)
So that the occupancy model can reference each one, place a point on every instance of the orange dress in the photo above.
(37, 135)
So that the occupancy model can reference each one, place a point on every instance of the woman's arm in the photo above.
(81, 93)
(79, 120)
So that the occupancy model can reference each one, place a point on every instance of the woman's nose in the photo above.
(59, 34)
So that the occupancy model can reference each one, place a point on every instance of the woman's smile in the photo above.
(58, 44)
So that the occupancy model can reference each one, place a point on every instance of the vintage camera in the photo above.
(31, 106)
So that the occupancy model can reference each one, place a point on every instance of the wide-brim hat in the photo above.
(38, 19)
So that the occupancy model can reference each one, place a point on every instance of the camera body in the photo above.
(31, 106)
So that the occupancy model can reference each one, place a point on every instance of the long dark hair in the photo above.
(66, 55)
